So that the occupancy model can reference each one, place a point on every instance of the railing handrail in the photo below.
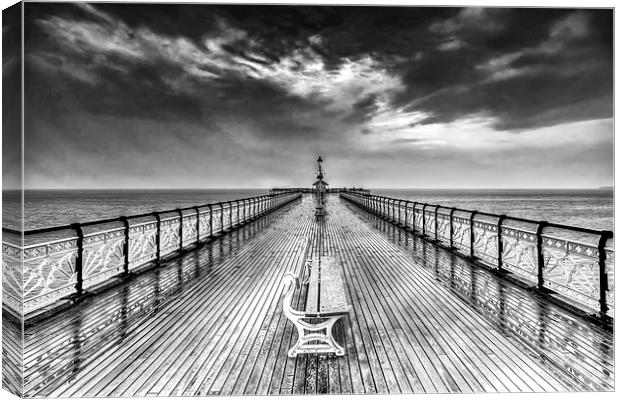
(482, 213)
(116, 219)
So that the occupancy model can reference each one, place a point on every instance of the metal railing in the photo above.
(575, 262)
(46, 265)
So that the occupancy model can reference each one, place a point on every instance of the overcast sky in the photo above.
(172, 96)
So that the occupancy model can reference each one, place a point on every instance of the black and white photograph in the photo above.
(257, 199)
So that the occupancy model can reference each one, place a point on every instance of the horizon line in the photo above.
(611, 187)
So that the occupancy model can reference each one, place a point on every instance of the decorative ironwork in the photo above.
(564, 265)
(142, 244)
(485, 242)
(103, 256)
(519, 252)
(572, 269)
(12, 276)
(611, 282)
(401, 207)
(429, 222)
(225, 218)
(443, 228)
(234, 215)
(204, 222)
(417, 221)
(49, 272)
(410, 216)
(216, 220)
(169, 235)
(43, 273)
(189, 230)
(461, 233)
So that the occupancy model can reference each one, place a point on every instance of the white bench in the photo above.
(326, 300)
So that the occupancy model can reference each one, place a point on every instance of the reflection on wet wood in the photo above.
(422, 320)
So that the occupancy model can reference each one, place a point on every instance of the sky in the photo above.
(211, 96)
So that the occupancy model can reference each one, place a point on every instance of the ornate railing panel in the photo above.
(169, 235)
(611, 282)
(572, 269)
(401, 208)
(216, 220)
(234, 215)
(12, 275)
(429, 221)
(226, 216)
(49, 272)
(103, 256)
(550, 255)
(443, 227)
(142, 243)
(461, 233)
(205, 224)
(486, 241)
(519, 254)
(417, 218)
(190, 225)
(410, 215)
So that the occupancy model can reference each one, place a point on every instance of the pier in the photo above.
(427, 314)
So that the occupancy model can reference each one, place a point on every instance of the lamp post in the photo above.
(320, 187)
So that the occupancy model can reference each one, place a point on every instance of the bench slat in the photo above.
(327, 298)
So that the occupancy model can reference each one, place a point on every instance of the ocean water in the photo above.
(49, 208)
(585, 208)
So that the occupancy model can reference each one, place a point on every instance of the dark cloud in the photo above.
(11, 96)
(302, 75)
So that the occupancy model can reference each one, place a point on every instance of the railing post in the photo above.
(126, 246)
(158, 237)
(79, 267)
(539, 252)
(197, 224)
(471, 233)
(452, 227)
(424, 220)
(180, 228)
(603, 278)
(500, 241)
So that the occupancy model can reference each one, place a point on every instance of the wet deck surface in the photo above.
(210, 322)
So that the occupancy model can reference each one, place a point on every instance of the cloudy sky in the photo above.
(174, 96)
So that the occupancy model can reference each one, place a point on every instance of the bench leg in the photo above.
(320, 333)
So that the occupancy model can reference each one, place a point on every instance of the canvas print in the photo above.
(235, 199)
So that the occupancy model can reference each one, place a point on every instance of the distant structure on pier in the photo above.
(320, 187)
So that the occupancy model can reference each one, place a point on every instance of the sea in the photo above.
(48, 208)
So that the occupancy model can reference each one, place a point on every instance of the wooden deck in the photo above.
(211, 322)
